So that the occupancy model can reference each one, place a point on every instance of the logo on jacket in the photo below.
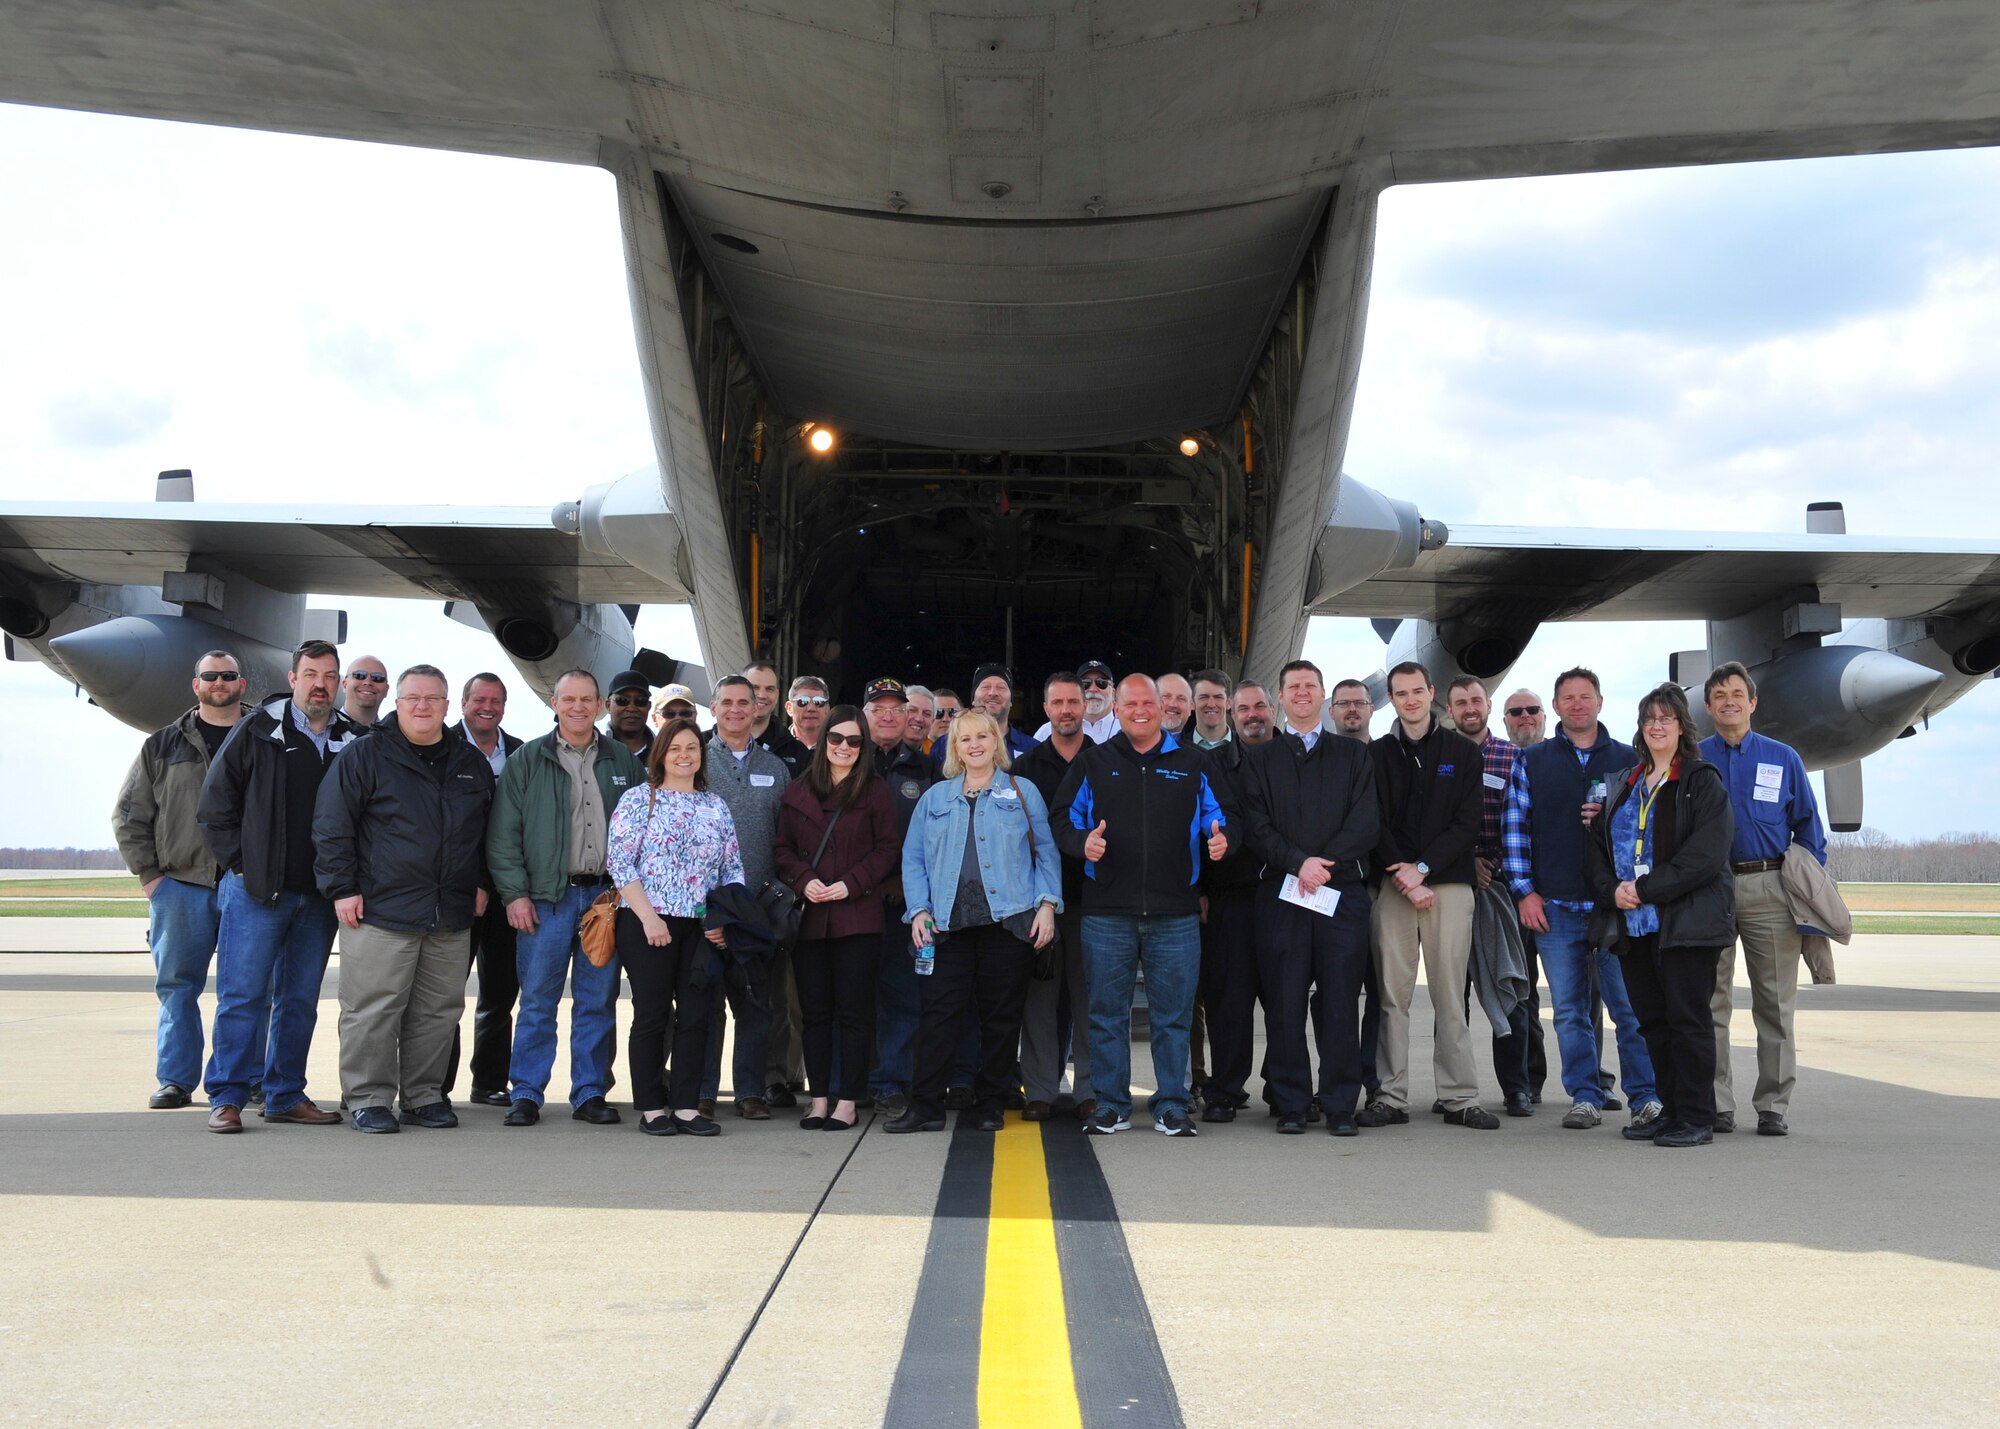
(1444, 769)
(911, 789)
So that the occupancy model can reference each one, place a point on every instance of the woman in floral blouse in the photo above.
(671, 843)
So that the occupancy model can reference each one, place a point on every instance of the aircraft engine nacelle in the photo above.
(138, 667)
(546, 640)
(1836, 704)
(1455, 649)
(1964, 653)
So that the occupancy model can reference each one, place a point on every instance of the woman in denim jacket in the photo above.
(982, 883)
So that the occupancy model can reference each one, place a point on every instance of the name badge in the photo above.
(762, 781)
(1640, 870)
(1765, 796)
(1494, 781)
(1006, 794)
(1770, 776)
(618, 781)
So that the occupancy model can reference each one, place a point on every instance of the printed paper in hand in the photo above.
(1324, 901)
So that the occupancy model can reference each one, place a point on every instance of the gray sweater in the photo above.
(751, 787)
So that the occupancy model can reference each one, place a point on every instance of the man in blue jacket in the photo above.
(1775, 808)
(1140, 811)
(1557, 789)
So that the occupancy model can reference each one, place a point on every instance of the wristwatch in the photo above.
(1423, 870)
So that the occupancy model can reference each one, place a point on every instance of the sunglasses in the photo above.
(209, 677)
(1522, 711)
(627, 701)
(1093, 683)
(852, 741)
(368, 678)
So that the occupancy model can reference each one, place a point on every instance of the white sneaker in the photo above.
(1582, 1116)
(1648, 1113)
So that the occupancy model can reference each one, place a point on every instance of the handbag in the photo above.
(598, 930)
(785, 905)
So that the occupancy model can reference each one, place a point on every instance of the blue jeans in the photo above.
(896, 1009)
(185, 921)
(545, 957)
(1113, 951)
(269, 961)
(1567, 958)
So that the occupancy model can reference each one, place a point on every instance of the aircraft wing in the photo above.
(486, 554)
(1531, 574)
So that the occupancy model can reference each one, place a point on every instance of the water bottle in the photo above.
(1598, 789)
(927, 960)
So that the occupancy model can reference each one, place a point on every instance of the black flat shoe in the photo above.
(597, 1111)
(1218, 1111)
(168, 1097)
(1520, 1104)
(658, 1125)
(834, 1123)
(436, 1116)
(812, 1123)
(696, 1125)
(523, 1113)
(1291, 1123)
(1342, 1126)
(483, 1096)
(992, 1119)
(781, 1096)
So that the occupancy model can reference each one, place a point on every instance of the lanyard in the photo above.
(1646, 802)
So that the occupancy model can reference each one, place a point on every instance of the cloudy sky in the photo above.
(304, 319)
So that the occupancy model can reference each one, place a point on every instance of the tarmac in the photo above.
(571, 1274)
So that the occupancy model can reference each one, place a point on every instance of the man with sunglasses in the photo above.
(364, 689)
(948, 708)
(628, 704)
(160, 841)
(1100, 721)
(1526, 724)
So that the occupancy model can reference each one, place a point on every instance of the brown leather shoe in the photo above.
(303, 1113)
(753, 1109)
(706, 1106)
(1086, 1109)
(1037, 1111)
(225, 1120)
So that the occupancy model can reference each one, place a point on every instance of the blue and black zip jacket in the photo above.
(1157, 809)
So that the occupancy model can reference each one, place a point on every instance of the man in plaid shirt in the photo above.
(1519, 1062)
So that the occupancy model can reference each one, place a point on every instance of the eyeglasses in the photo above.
(1660, 722)
(1094, 683)
(811, 702)
(1353, 704)
(852, 741)
(422, 699)
(625, 702)
(1522, 711)
(209, 677)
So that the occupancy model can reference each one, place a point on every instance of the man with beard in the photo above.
(1228, 924)
(1100, 721)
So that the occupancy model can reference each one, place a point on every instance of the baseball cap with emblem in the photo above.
(1093, 667)
(883, 689)
(671, 694)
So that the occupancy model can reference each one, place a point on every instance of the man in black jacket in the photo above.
(885, 705)
(256, 813)
(1229, 924)
(398, 839)
(1309, 813)
(1428, 781)
(1140, 811)
(482, 705)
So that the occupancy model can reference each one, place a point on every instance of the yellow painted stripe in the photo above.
(1025, 1376)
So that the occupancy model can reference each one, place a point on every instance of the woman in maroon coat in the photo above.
(840, 934)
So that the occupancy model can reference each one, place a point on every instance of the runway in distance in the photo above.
(1090, 356)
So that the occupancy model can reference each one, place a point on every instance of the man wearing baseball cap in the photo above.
(627, 704)
(672, 702)
(1099, 722)
(885, 706)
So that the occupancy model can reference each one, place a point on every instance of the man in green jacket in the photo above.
(545, 851)
(160, 841)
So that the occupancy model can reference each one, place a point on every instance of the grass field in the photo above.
(111, 885)
(1922, 898)
(88, 908)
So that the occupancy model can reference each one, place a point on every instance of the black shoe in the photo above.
(1291, 1123)
(487, 1096)
(1678, 1136)
(696, 1125)
(1645, 1130)
(810, 1122)
(1611, 1103)
(991, 1118)
(1017, 1100)
(1380, 1113)
(1438, 1107)
(892, 1104)
(1218, 1111)
(597, 1111)
(1770, 1123)
(522, 1113)
(1174, 1122)
(1535, 1098)
(917, 1118)
(1725, 1123)
(1476, 1117)
(1520, 1104)
(958, 1099)
(378, 1120)
(834, 1123)
(662, 1125)
(437, 1116)
(780, 1096)
(168, 1097)
(1342, 1126)
(1313, 1112)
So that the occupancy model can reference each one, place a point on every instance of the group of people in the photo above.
(908, 903)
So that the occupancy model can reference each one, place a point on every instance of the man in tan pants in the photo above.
(1774, 807)
(1428, 782)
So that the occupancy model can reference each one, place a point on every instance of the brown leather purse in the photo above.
(598, 932)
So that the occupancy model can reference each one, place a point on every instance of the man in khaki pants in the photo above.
(1427, 781)
(398, 834)
(1774, 807)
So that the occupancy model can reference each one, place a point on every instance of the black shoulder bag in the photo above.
(785, 905)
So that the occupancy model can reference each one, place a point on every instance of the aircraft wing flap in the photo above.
(1581, 574)
(425, 552)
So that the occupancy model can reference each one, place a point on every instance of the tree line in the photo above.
(1871, 856)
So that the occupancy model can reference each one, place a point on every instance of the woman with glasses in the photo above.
(983, 882)
(670, 845)
(838, 842)
(1659, 865)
